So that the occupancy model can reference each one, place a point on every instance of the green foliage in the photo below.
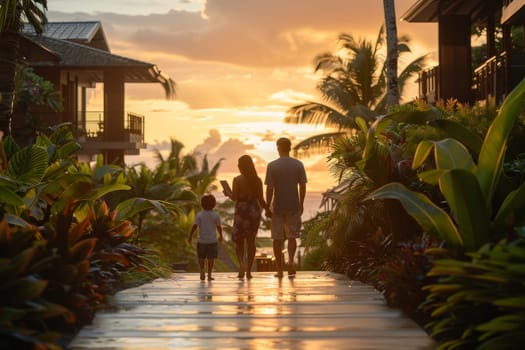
(462, 187)
(351, 226)
(468, 187)
(61, 249)
(315, 242)
(403, 274)
(33, 90)
(479, 303)
(22, 302)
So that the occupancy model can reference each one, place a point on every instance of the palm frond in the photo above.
(326, 62)
(358, 110)
(311, 113)
(170, 88)
(380, 40)
(318, 144)
(346, 151)
(347, 41)
(338, 91)
(411, 70)
(35, 13)
(215, 168)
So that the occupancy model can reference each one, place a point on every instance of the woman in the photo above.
(247, 192)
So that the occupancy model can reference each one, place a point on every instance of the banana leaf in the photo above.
(131, 207)
(465, 199)
(430, 217)
(492, 152)
(10, 197)
(28, 165)
(452, 154)
(513, 201)
(422, 152)
(457, 131)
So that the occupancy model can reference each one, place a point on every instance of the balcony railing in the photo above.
(498, 76)
(490, 79)
(429, 84)
(495, 78)
(91, 126)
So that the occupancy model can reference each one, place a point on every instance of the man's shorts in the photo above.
(207, 250)
(287, 224)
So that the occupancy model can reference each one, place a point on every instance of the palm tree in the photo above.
(175, 184)
(175, 163)
(392, 87)
(178, 165)
(353, 85)
(12, 12)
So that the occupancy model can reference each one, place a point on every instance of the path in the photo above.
(315, 310)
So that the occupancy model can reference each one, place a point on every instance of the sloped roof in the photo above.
(82, 57)
(430, 10)
(89, 33)
(32, 51)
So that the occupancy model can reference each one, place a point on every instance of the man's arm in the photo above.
(302, 193)
(269, 198)
(269, 194)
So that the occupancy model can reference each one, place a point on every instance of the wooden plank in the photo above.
(312, 310)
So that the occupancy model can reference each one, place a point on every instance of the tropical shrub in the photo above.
(33, 90)
(24, 312)
(360, 259)
(478, 300)
(403, 274)
(315, 242)
(479, 303)
(59, 242)
(468, 187)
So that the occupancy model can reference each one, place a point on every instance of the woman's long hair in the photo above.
(247, 168)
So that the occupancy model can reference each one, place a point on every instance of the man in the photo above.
(286, 187)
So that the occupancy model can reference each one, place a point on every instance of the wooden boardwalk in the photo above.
(314, 310)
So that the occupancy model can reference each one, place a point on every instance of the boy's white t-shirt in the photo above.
(207, 220)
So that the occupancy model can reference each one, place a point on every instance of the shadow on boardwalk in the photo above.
(314, 310)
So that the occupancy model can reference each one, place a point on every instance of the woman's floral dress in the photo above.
(247, 218)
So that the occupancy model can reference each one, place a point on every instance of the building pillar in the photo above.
(114, 114)
(455, 62)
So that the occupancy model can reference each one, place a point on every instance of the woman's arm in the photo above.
(235, 189)
(260, 196)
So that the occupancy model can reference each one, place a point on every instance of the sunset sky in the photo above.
(238, 65)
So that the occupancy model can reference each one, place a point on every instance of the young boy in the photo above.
(209, 223)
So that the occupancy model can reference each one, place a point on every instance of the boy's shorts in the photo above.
(287, 222)
(207, 250)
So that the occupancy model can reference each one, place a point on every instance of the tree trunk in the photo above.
(9, 50)
(8, 58)
(392, 86)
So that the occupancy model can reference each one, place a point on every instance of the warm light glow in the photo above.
(237, 68)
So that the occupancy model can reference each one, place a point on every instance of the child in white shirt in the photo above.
(209, 223)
